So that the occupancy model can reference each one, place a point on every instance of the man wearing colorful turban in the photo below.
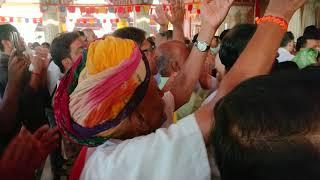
(109, 95)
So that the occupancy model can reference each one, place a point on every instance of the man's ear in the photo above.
(7, 44)
(67, 64)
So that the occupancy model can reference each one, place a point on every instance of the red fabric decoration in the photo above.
(121, 10)
(137, 8)
(84, 21)
(190, 7)
(72, 9)
(92, 10)
(11, 19)
(198, 11)
(129, 9)
(3, 19)
(82, 9)
(35, 20)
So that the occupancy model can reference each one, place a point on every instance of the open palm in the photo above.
(215, 11)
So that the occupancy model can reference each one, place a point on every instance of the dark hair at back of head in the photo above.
(267, 128)
(60, 48)
(288, 37)
(5, 33)
(224, 33)
(234, 42)
(133, 33)
(301, 43)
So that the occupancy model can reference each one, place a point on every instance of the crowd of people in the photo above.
(126, 106)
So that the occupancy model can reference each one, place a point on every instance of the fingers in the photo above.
(41, 131)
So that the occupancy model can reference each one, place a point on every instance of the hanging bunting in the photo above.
(2, 19)
(82, 10)
(19, 19)
(71, 9)
(71, 20)
(198, 11)
(92, 10)
(129, 9)
(104, 21)
(111, 21)
(121, 10)
(34, 20)
(137, 8)
(26, 20)
(146, 8)
(117, 20)
(62, 9)
(11, 19)
(190, 7)
(102, 10)
(84, 21)
(111, 9)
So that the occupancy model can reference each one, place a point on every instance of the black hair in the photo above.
(311, 32)
(46, 45)
(60, 48)
(267, 128)
(285, 66)
(301, 43)
(234, 42)
(35, 45)
(81, 33)
(195, 37)
(287, 38)
(224, 33)
(133, 33)
(150, 40)
(5, 33)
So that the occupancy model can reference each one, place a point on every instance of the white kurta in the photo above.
(176, 153)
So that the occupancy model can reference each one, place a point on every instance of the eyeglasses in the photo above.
(149, 49)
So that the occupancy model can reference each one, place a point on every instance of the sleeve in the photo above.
(178, 152)
(32, 108)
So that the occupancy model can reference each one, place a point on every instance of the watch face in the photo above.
(202, 46)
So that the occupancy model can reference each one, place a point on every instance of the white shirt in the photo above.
(54, 74)
(284, 55)
(176, 153)
(209, 98)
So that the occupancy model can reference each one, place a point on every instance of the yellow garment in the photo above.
(103, 54)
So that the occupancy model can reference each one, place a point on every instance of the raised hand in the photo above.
(213, 12)
(40, 59)
(161, 17)
(27, 152)
(16, 70)
(284, 8)
(177, 13)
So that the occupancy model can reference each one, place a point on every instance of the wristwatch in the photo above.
(202, 46)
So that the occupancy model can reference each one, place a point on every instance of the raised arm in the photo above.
(257, 58)
(177, 19)
(10, 102)
(212, 15)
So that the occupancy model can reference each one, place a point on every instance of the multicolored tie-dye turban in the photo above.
(100, 91)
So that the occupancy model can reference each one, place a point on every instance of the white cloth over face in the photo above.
(284, 55)
(176, 153)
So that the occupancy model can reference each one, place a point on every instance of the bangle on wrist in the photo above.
(273, 19)
(36, 74)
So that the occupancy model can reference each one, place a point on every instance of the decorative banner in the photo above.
(71, 9)
(104, 21)
(137, 8)
(11, 19)
(26, 20)
(146, 8)
(190, 7)
(62, 9)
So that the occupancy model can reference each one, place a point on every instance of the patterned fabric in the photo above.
(306, 57)
(102, 88)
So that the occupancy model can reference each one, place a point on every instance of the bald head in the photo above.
(171, 56)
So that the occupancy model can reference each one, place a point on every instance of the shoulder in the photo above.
(178, 152)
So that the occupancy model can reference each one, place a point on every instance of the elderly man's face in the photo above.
(149, 52)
